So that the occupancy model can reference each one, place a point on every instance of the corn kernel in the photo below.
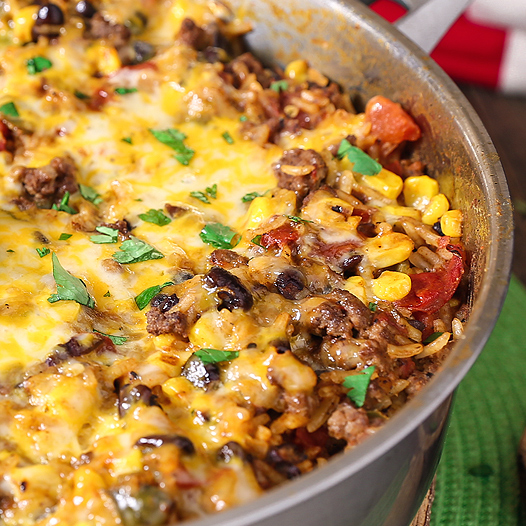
(104, 58)
(451, 223)
(385, 182)
(418, 191)
(263, 208)
(391, 286)
(436, 208)
(24, 21)
(177, 387)
(356, 286)
(327, 210)
(297, 70)
(388, 249)
(392, 213)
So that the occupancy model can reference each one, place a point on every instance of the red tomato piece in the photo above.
(389, 122)
(283, 236)
(316, 439)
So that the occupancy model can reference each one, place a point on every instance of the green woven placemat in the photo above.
(477, 479)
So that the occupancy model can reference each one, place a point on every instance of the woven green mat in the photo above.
(477, 479)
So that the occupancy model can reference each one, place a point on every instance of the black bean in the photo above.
(417, 324)
(290, 284)
(437, 227)
(50, 14)
(350, 265)
(153, 441)
(230, 450)
(143, 51)
(85, 9)
(201, 375)
(366, 229)
(164, 302)
(130, 395)
(282, 346)
(232, 293)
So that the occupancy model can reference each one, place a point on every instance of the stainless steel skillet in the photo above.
(383, 481)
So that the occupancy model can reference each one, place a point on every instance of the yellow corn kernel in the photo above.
(131, 463)
(177, 387)
(356, 286)
(436, 208)
(104, 59)
(388, 249)
(297, 70)
(206, 334)
(392, 213)
(385, 182)
(451, 223)
(327, 210)
(24, 21)
(263, 208)
(418, 191)
(391, 286)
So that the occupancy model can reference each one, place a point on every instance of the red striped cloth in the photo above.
(486, 46)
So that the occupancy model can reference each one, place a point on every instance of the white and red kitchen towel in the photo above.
(486, 46)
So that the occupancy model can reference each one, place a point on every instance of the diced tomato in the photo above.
(4, 134)
(407, 368)
(283, 236)
(389, 122)
(316, 439)
(432, 290)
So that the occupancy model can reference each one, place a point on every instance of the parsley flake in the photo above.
(157, 217)
(10, 250)
(80, 95)
(362, 163)
(125, 91)
(63, 205)
(117, 340)
(250, 197)
(90, 194)
(68, 286)
(9, 109)
(108, 235)
(257, 241)
(127, 139)
(279, 85)
(297, 219)
(64, 236)
(44, 251)
(174, 139)
(37, 65)
(372, 306)
(144, 298)
(215, 356)
(107, 295)
(228, 138)
(433, 337)
(219, 236)
(210, 191)
(135, 250)
(243, 118)
(358, 384)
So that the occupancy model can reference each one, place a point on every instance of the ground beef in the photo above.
(330, 319)
(122, 226)
(118, 35)
(236, 71)
(163, 320)
(348, 423)
(46, 185)
(194, 36)
(360, 315)
(227, 259)
(311, 169)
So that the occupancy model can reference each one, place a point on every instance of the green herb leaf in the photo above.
(358, 384)
(109, 235)
(279, 85)
(362, 163)
(297, 219)
(372, 306)
(201, 196)
(243, 118)
(135, 250)
(107, 295)
(37, 65)
(64, 236)
(174, 139)
(157, 217)
(9, 109)
(127, 139)
(125, 91)
(144, 298)
(212, 191)
(433, 337)
(250, 197)
(215, 356)
(257, 241)
(228, 138)
(80, 95)
(218, 235)
(43, 251)
(10, 250)
(68, 286)
(117, 340)
(63, 206)
(90, 194)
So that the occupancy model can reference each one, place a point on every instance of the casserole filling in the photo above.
(214, 275)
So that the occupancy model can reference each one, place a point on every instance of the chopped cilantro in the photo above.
(279, 85)
(144, 298)
(174, 139)
(218, 235)
(433, 337)
(297, 219)
(68, 286)
(358, 384)
(125, 91)
(117, 340)
(135, 250)
(37, 65)
(109, 235)
(372, 306)
(228, 138)
(107, 295)
(127, 139)
(157, 217)
(10, 250)
(64, 236)
(362, 163)
(63, 205)
(257, 240)
(44, 251)
(250, 197)
(9, 109)
(90, 194)
(80, 95)
(214, 355)
(210, 191)
(243, 118)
